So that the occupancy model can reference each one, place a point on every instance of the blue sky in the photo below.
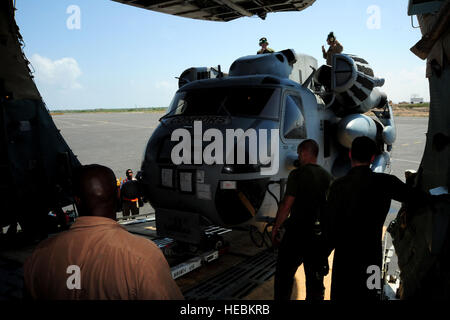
(122, 56)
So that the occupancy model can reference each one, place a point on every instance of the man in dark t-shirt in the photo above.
(305, 195)
(357, 207)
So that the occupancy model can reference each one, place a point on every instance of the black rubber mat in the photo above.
(238, 281)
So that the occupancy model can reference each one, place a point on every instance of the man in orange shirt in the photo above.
(129, 192)
(97, 258)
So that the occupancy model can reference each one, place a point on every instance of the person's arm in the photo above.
(339, 48)
(324, 52)
(286, 204)
(282, 214)
(402, 192)
(412, 198)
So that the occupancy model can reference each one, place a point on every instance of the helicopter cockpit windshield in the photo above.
(227, 101)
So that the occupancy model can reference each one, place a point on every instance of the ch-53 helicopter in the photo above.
(223, 152)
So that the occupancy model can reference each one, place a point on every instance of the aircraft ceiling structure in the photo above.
(219, 10)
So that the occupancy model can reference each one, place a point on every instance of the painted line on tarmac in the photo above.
(109, 122)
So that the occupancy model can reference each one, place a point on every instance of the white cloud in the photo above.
(402, 84)
(60, 74)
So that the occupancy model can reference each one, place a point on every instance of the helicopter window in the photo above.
(294, 122)
(244, 102)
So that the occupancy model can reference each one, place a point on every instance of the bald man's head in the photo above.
(95, 189)
(308, 151)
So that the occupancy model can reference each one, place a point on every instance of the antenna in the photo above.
(308, 81)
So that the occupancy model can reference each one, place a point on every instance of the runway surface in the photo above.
(116, 140)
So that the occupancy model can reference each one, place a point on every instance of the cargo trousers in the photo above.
(296, 249)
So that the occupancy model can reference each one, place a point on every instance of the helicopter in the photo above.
(222, 153)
